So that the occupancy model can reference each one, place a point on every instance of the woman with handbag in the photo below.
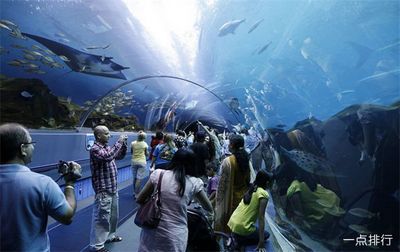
(178, 187)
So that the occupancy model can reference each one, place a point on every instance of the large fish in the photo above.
(229, 27)
(309, 162)
(81, 61)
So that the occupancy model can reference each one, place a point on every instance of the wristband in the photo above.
(70, 186)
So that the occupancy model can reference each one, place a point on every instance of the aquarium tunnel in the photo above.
(311, 85)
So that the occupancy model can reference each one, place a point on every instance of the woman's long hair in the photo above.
(237, 148)
(182, 164)
(211, 148)
(262, 179)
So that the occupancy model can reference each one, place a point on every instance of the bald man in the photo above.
(104, 182)
(28, 198)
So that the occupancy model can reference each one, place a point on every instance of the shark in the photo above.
(230, 27)
(82, 62)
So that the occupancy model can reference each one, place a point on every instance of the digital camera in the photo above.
(67, 169)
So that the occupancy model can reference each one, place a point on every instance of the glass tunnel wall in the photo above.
(316, 82)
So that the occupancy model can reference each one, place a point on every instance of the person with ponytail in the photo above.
(179, 185)
(236, 175)
(252, 208)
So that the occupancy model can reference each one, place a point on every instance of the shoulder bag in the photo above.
(149, 214)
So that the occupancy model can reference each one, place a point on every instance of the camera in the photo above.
(68, 169)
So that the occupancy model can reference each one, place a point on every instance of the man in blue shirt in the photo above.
(28, 198)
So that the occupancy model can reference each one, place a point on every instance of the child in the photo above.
(213, 180)
(251, 208)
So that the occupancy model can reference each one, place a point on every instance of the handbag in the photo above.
(149, 214)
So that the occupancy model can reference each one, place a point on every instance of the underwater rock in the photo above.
(34, 110)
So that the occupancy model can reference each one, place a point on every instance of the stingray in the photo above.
(82, 62)
(310, 162)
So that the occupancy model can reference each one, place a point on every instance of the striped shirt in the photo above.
(103, 167)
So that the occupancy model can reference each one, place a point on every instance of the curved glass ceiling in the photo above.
(264, 63)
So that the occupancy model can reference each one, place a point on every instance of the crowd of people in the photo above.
(214, 170)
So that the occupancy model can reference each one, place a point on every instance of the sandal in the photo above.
(114, 239)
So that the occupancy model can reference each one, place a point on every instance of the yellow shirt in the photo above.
(139, 148)
(243, 218)
(313, 212)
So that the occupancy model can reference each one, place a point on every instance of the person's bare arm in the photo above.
(145, 192)
(261, 224)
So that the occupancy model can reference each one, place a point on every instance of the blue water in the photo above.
(311, 67)
(227, 63)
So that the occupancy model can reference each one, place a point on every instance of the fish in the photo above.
(362, 213)
(16, 33)
(380, 75)
(265, 47)
(48, 59)
(310, 162)
(26, 94)
(5, 27)
(32, 66)
(56, 65)
(347, 91)
(7, 23)
(359, 229)
(335, 211)
(255, 25)
(229, 27)
(81, 61)
(49, 52)
(64, 40)
(59, 34)
(14, 63)
(35, 47)
(64, 58)
(37, 54)
(97, 47)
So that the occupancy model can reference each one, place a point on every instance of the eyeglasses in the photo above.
(32, 142)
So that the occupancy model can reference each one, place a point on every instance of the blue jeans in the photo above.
(104, 219)
(137, 177)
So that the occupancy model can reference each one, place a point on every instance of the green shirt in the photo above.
(138, 155)
(243, 218)
(314, 212)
